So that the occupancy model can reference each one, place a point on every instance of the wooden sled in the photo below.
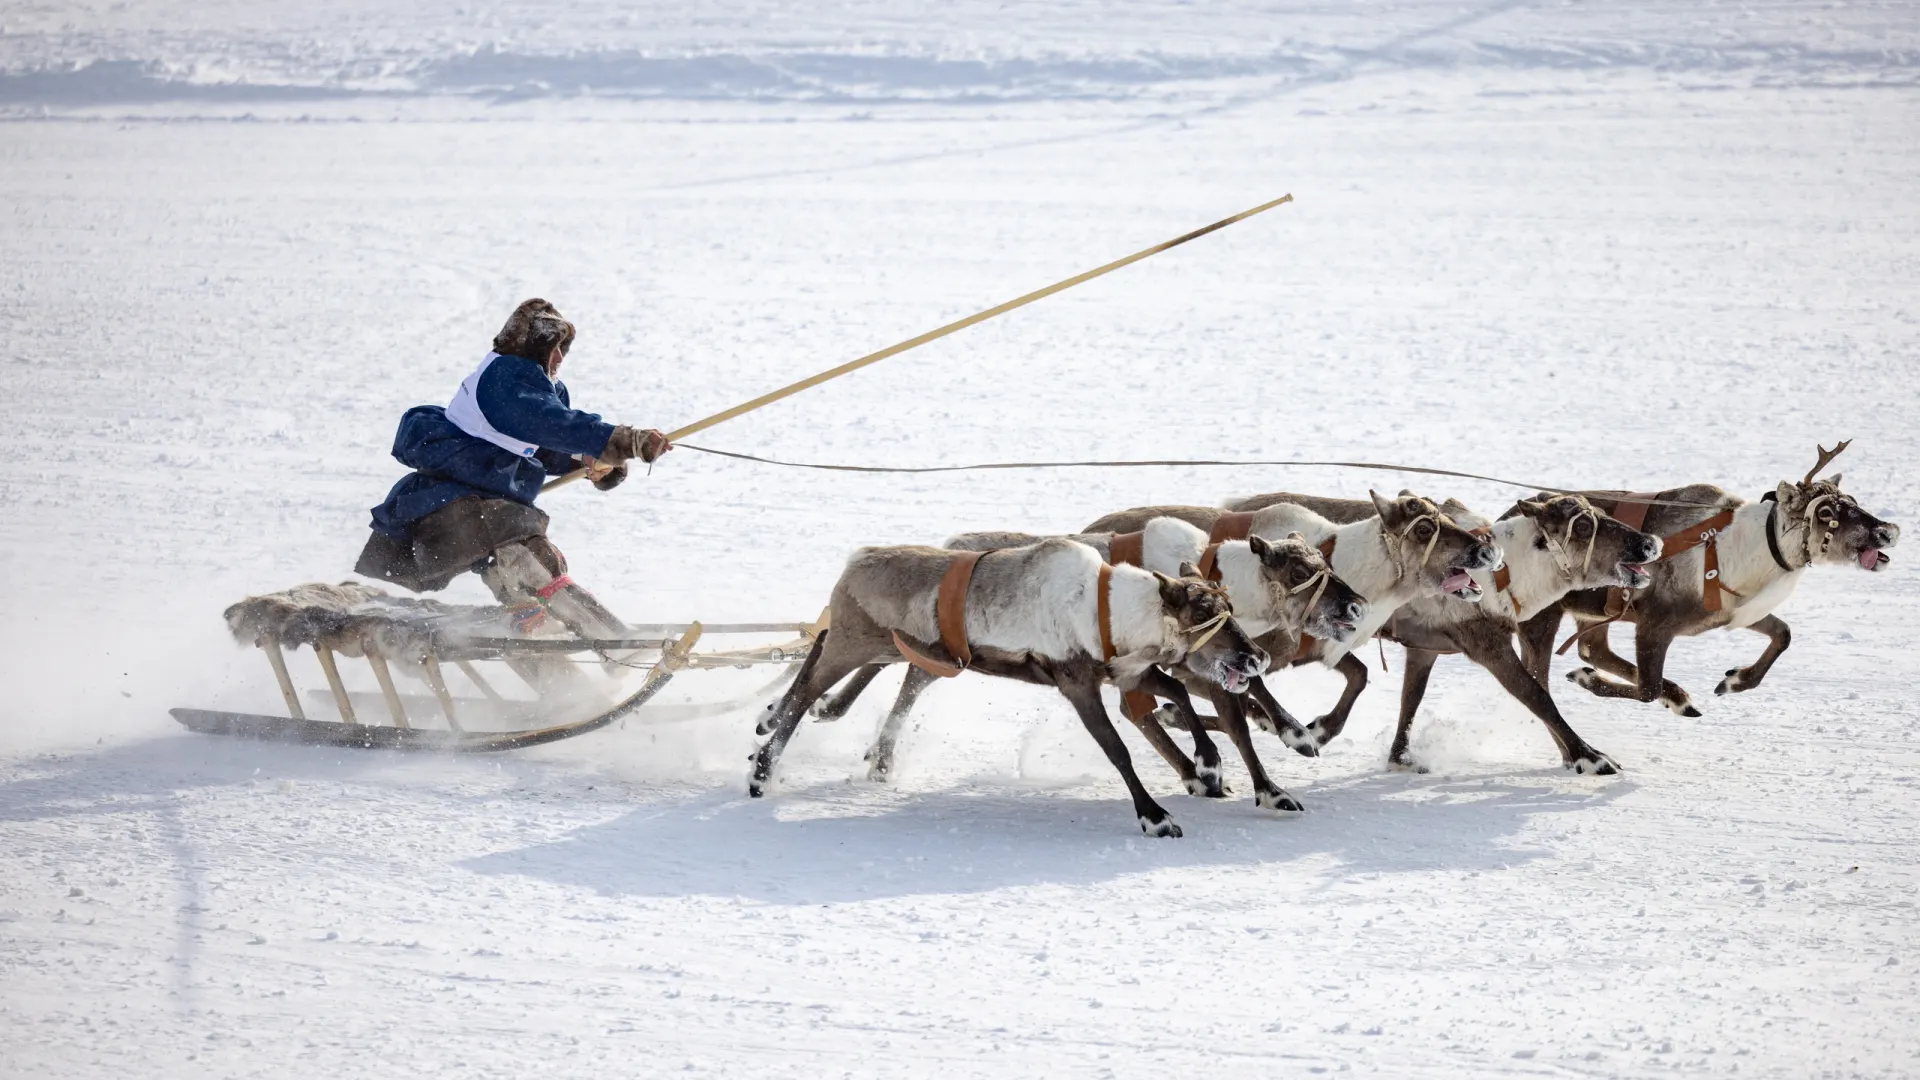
(421, 638)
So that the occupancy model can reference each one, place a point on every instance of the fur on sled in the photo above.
(355, 619)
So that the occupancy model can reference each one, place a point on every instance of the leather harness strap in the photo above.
(1232, 525)
(950, 608)
(1631, 511)
(950, 613)
(1127, 549)
(1210, 562)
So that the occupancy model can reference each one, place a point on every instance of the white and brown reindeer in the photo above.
(1277, 591)
(1552, 545)
(1052, 613)
(1408, 547)
(1728, 563)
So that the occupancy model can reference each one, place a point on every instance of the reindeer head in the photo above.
(1305, 590)
(1424, 541)
(1203, 634)
(1592, 548)
(1832, 527)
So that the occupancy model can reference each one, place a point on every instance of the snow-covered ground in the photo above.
(1589, 244)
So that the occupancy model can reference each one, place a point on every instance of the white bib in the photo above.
(464, 411)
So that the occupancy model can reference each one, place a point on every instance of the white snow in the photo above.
(1597, 244)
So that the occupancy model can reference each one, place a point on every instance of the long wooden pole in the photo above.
(935, 335)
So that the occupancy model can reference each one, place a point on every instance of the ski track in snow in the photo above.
(1592, 245)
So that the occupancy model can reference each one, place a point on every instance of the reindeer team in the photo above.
(1164, 601)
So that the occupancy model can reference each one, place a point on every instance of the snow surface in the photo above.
(1584, 244)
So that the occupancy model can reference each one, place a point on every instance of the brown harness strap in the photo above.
(950, 614)
(950, 607)
(1127, 549)
(1136, 704)
(922, 661)
(1105, 607)
(1631, 510)
(1233, 525)
(1210, 562)
(1705, 534)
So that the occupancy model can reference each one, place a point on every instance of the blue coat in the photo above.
(520, 401)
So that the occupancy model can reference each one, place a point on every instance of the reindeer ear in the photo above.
(1386, 508)
(1834, 479)
(1787, 495)
(1531, 509)
(1173, 595)
(1261, 549)
(1187, 569)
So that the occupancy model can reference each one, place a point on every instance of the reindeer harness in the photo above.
(950, 613)
(1631, 511)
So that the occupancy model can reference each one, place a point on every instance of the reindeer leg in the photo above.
(1495, 653)
(1413, 688)
(1154, 727)
(1204, 777)
(1325, 729)
(816, 677)
(1273, 717)
(880, 757)
(1536, 642)
(1080, 683)
(1650, 648)
(835, 706)
(1746, 678)
(1232, 712)
(1598, 652)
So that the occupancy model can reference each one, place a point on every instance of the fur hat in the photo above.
(532, 331)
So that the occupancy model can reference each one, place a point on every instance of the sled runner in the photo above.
(422, 639)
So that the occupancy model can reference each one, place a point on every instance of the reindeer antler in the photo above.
(1826, 456)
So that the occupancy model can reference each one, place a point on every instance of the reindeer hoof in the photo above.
(1594, 763)
(1208, 783)
(1405, 763)
(1733, 683)
(1200, 788)
(1277, 799)
(1585, 678)
(1163, 827)
(1682, 706)
(1308, 740)
(880, 772)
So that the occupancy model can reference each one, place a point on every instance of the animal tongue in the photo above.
(1456, 581)
(1870, 558)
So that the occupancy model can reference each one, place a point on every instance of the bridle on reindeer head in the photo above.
(1824, 501)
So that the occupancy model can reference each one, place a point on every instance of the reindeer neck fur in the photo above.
(1255, 607)
(1535, 577)
(1746, 566)
(1167, 542)
(1360, 558)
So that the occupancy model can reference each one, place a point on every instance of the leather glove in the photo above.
(628, 443)
(608, 478)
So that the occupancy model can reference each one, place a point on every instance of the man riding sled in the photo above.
(478, 465)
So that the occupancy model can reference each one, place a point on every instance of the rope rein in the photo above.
(1146, 463)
